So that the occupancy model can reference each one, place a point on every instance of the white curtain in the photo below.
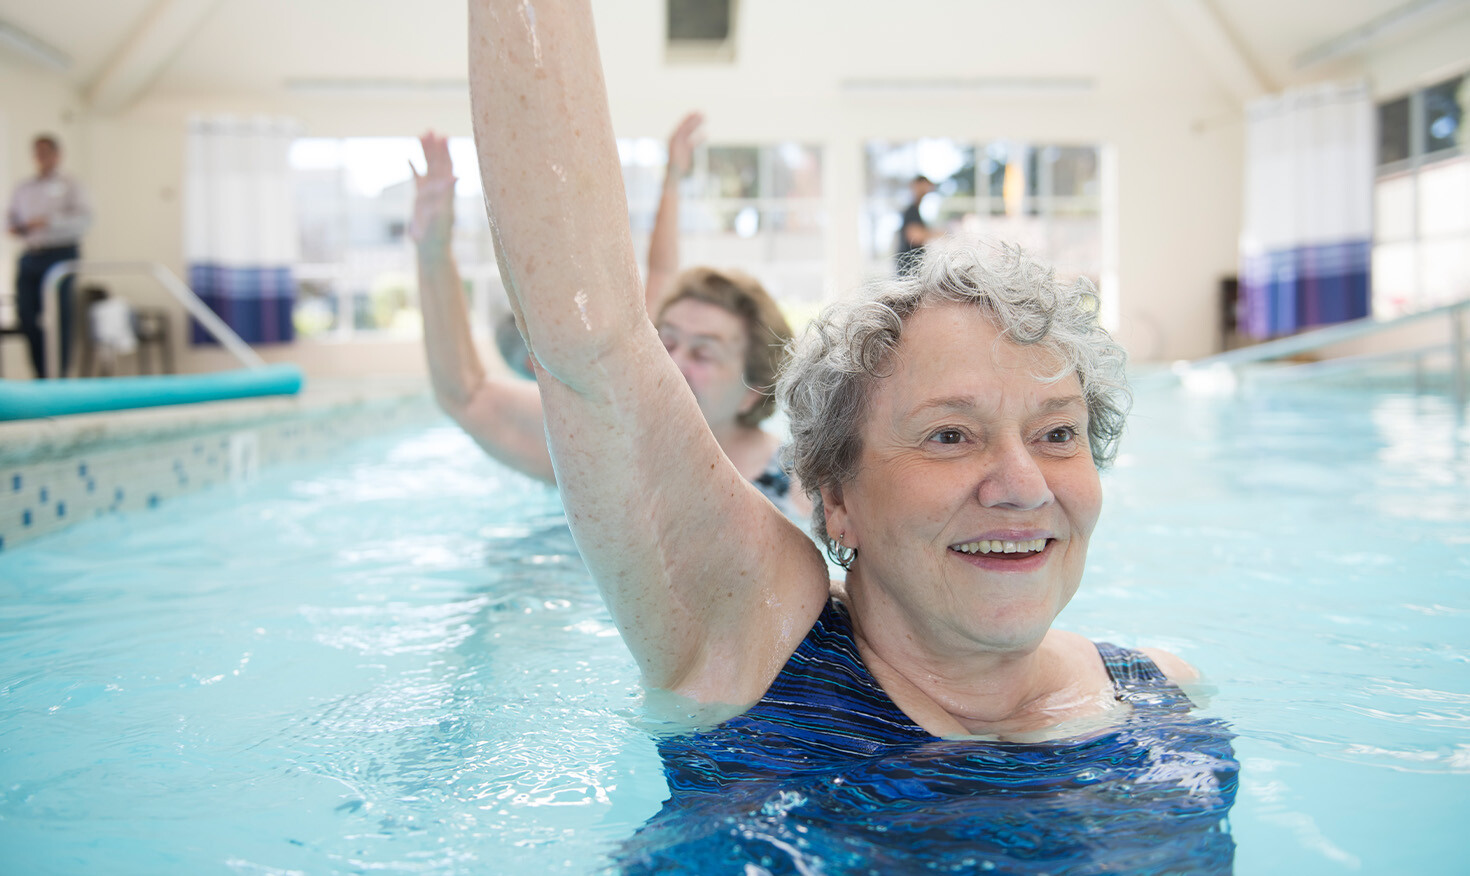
(1306, 245)
(240, 223)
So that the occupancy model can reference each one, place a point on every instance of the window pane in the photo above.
(1393, 279)
(1393, 131)
(1444, 199)
(990, 176)
(1445, 268)
(890, 167)
(1074, 171)
(315, 313)
(1393, 209)
(796, 171)
(734, 171)
(643, 160)
(1443, 104)
(1059, 220)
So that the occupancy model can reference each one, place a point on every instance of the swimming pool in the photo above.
(396, 662)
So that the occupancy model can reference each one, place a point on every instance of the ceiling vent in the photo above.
(700, 31)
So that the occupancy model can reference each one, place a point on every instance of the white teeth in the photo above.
(998, 546)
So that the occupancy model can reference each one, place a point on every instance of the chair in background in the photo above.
(114, 329)
(151, 324)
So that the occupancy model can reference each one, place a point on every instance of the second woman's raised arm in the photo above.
(705, 579)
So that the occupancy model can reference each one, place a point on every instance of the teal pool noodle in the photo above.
(27, 399)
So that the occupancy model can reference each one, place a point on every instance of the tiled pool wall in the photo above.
(47, 495)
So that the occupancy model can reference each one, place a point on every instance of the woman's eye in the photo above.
(947, 436)
(1061, 435)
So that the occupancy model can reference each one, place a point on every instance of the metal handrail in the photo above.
(1347, 331)
(51, 298)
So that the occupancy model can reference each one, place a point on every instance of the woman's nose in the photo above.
(1013, 479)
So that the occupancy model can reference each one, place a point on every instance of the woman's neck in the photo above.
(966, 688)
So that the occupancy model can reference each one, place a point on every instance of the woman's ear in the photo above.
(836, 514)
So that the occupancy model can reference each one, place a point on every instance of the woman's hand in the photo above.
(432, 228)
(682, 144)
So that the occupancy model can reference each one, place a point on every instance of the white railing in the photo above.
(51, 300)
(1327, 336)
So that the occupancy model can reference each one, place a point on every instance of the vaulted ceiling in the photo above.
(118, 52)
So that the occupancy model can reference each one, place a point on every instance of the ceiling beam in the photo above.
(1219, 50)
(160, 34)
(25, 44)
(1414, 14)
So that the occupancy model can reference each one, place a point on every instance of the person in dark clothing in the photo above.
(914, 232)
(49, 214)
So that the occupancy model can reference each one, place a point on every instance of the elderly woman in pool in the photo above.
(722, 329)
(949, 429)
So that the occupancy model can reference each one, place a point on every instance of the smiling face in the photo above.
(976, 492)
(708, 343)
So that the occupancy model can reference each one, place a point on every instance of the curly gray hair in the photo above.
(833, 368)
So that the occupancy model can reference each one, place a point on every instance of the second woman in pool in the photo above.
(948, 428)
(721, 328)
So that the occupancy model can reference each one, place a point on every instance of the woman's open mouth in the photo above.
(1021, 548)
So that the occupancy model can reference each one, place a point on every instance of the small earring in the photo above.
(840, 552)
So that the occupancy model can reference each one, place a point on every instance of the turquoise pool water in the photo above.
(395, 663)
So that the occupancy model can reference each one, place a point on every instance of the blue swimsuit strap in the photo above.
(1138, 680)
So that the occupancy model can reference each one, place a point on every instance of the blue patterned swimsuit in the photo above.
(825, 774)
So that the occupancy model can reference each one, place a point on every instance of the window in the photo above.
(356, 272)
(1421, 238)
(753, 207)
(1046, 198)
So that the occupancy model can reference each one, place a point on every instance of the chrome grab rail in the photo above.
(1335, 334)
(51, 299)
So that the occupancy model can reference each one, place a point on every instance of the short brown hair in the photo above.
(767, 332)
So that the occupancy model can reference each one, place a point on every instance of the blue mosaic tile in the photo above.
(60, 509)
(153, 500)
(25, 517)
(44, 496)
(82, 470)
(15, 483)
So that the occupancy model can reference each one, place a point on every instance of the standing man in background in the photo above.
(49, 214)
(914, 232)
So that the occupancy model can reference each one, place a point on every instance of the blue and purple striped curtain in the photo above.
(240, 225)
(1306, 248)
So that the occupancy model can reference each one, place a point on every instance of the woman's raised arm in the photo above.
(500, 410)
(711, 587)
